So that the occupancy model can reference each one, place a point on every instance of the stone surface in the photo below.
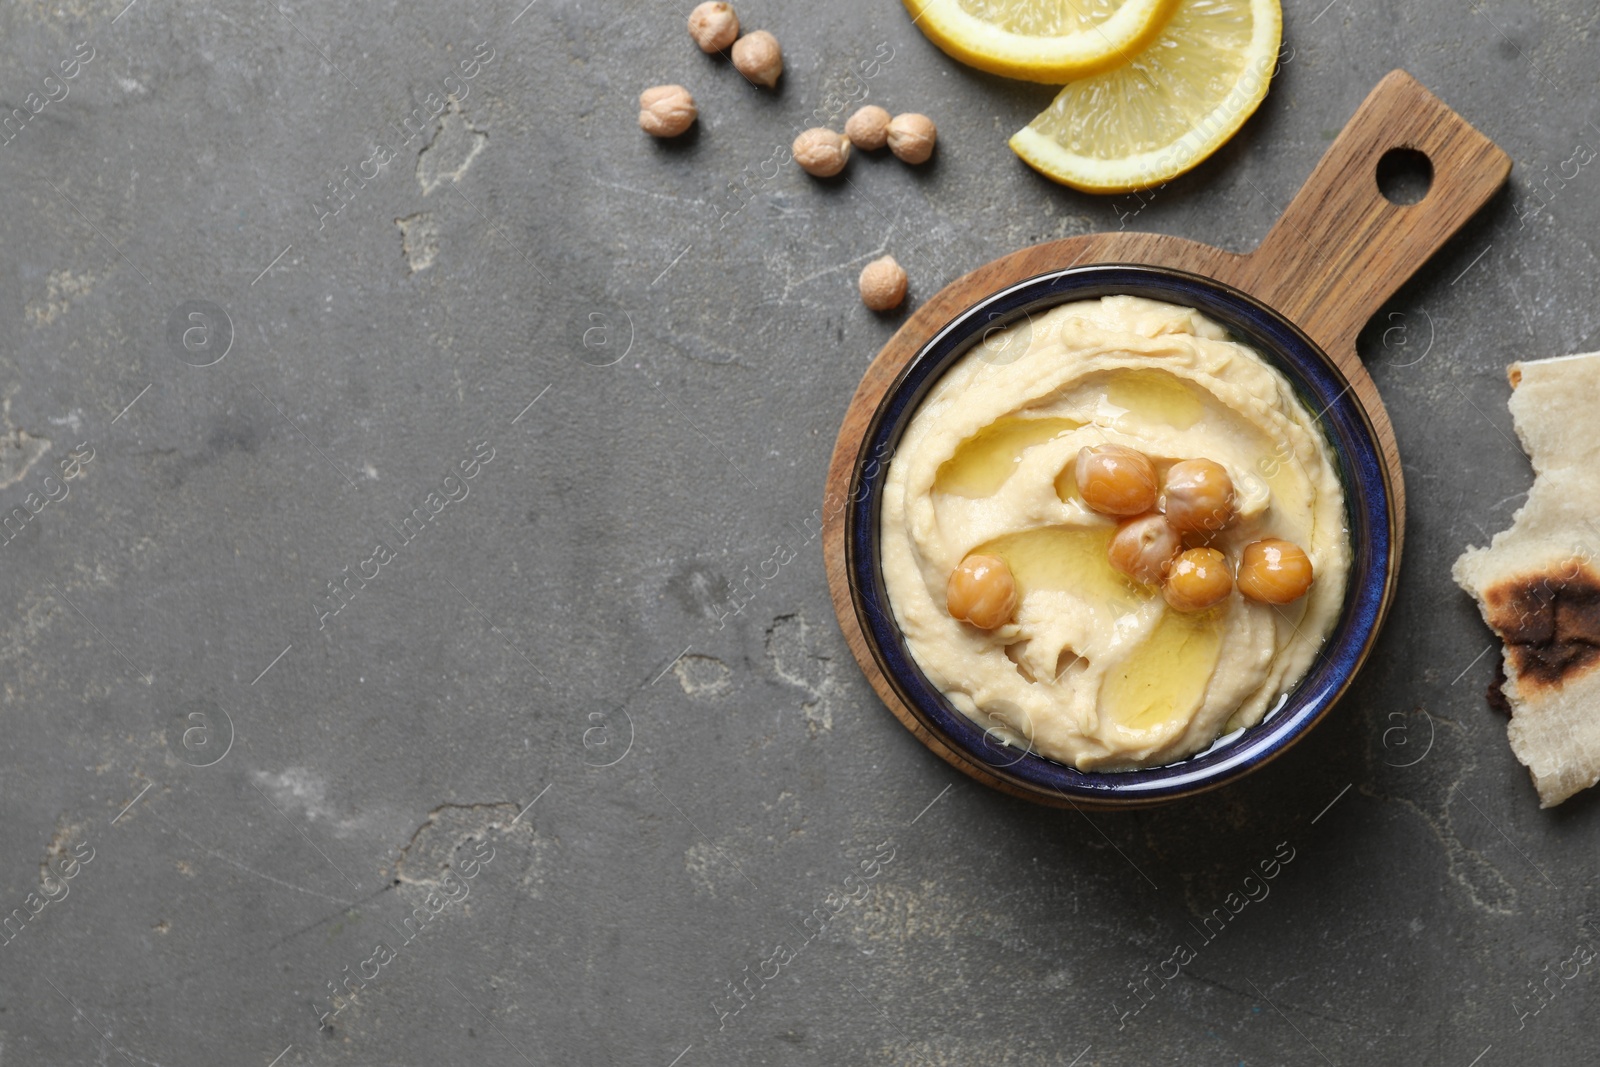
(281, 291)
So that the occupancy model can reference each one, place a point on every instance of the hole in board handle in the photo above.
(1404, 175)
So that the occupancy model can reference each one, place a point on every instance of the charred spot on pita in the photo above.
(1496, 694)
(1550, 623)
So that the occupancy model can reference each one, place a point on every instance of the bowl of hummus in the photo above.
(1125, 534)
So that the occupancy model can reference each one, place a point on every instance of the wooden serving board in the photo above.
(1338, 251)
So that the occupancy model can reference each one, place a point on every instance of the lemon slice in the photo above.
(1050, 41)
(1172, 106)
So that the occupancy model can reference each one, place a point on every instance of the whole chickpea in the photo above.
(868, 128)
(1274, 571)
(758, 57)
(982, 591)
(821, 152)
(911, 137)
(666, 110)
(1143, 548)
(1197, 579)
(713, 26)
(883, 284)
(1199, 496)
(1116, 480)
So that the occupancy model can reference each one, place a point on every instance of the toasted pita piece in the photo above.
(1538, 583)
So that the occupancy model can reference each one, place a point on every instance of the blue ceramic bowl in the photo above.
(1369, 514)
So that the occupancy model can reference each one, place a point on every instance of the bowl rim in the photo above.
(1359, 463)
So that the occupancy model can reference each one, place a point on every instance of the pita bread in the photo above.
(1538, 583)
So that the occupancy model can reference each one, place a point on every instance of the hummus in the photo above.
(1094, 669)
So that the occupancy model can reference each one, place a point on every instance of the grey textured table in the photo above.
(287, 305)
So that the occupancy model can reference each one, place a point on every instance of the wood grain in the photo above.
(1339, 250)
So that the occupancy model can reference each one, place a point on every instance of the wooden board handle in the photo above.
(1341, 248)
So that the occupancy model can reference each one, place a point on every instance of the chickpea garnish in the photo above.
(868, 128)
(713, 26)
(758, 57)
(1116, 480)
(1197, 579)
(666, 110)
(911, 137)
(883, 284)
(1143, 548)
(821, 152)
(982, 591)
(1274, 571)
(1199, 496)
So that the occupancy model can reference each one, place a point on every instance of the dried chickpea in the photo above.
(868, 128)
(1143, 548)
(1197, 579)
(982, 591)
(883, 284)
(1199, 496)
(666, 110)
(821, 152)
(758, 57)
(713, 26)
(1274, 571)
(1116, 480)
(911, 137)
